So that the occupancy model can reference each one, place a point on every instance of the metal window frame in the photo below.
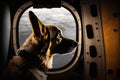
(26, 5)
(46, 3)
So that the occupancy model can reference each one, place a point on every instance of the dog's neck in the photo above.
(32, 61)
(30, 46)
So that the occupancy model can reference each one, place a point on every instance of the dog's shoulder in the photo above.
(14, 66)
(17, 70)
(16, 61)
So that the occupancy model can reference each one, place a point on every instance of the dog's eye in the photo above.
(59, 38)
(59, 35)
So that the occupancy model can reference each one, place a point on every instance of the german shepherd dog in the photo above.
(36, 54)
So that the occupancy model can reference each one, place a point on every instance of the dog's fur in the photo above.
(44, 41)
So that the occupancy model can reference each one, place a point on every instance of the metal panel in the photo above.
(94, 61)
(46, 3)
(110, 12)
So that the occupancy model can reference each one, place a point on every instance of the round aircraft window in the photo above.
(65, 17)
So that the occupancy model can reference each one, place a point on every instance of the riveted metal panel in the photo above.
(94, 66)
(110, 11)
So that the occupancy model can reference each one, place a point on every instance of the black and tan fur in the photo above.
(44, 41)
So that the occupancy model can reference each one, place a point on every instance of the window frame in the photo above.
(76, 16)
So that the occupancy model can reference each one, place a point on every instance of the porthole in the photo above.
(70, 24)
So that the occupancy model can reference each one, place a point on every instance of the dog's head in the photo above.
(48, 38)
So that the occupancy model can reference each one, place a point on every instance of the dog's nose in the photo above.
(74, 44)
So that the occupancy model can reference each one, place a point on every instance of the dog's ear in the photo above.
(37, 27)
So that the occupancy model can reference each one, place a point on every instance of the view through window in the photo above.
(57, 16)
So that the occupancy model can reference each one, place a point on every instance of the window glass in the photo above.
(57, 16)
